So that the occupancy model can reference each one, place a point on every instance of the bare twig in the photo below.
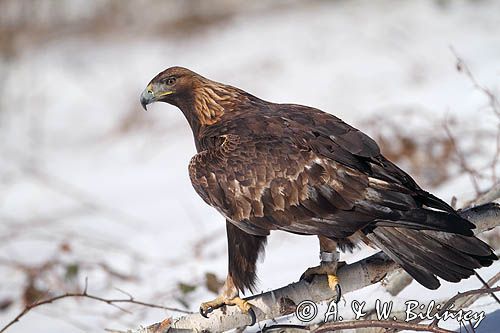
(85, 294)
(462, 162)
(469, 300)
(458, 296)
(462, 67)
(496, 157)
(330, 327)
(486, 285)
(493, 102)
(462, 302)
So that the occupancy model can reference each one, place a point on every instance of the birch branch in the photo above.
(283, 301)
(464, 301)
(491, 195)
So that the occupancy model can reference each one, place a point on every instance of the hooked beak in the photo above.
(147, 97)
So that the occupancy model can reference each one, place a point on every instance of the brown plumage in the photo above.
(267, 166)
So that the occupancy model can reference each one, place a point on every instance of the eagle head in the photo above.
(171, 86)
(202, 101)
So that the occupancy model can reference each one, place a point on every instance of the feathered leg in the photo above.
(243, 251)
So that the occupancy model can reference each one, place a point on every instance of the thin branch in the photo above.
(329, 327)
(494, 104)
(113, 330)
(85, 294)
(496, 157)
(460, 303)
(458, 296)
(469, 300)
(462, 67)
(462, 162)
(288, 328)
(486, 285)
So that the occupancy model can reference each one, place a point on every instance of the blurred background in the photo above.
(92, 187)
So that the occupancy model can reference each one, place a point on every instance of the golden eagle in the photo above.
(267, 166)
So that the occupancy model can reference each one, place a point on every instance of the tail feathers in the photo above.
(425, 254)
(421, 218)
(468, 245)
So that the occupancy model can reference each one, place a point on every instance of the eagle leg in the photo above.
(228, 296)
(329, 264)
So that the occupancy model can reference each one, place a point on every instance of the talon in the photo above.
(243, 305)
(209, 307)
(333, 283)
(252, 316)
(338, 291)
(205, 312)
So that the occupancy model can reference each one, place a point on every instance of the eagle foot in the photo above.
(330, 270)
(243, 305)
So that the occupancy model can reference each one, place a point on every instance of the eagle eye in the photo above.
(171, 81)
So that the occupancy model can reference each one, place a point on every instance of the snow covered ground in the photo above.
(123, 197)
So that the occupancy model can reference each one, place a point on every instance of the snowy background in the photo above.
(93, 187)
